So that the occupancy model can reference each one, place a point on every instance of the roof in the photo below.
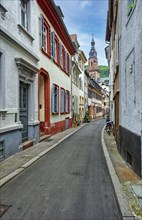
(55, 16)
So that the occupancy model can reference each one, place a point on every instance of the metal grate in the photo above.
(76, 173)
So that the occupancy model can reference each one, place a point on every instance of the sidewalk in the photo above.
(125, 181)
(15, 164)
(130, 183)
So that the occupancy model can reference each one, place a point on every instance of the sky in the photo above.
(84, 18)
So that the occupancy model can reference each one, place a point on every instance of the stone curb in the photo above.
(123, 203)
(30, 162)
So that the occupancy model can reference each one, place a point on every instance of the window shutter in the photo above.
(57, 100)
(51, 43)
(62, 100)
(42, 31)
(54, 45)
(65, 61)
(60, 53)
(70, 66)
(53, 98)
(66, 101)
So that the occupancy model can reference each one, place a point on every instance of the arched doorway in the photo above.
(44, 101)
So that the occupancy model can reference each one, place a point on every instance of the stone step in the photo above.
(27, 144)
(44, 137)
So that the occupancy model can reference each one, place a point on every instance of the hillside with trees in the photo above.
(104, 71)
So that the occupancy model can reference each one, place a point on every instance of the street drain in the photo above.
(76, 173)
(3, 209)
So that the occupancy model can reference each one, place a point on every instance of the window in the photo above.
(25, 14)
(55, 99)
(65, 101)
(131, 5)
(53, 44)
(2, 153)
(45, 39)
(2, 81)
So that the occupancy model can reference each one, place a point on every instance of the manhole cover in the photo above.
(3, 209)
(76, 173)
(47, 140)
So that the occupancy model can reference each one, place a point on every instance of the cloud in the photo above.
(85, 3)
(86, 22)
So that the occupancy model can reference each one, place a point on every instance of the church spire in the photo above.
(93, 53)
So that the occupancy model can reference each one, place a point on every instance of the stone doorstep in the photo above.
(43, 137)
(27, 144)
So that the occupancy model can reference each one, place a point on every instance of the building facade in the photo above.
(77, 87)
(54, 78)
(18, 76)
(35, 79)
(82, 61)
(125, 29)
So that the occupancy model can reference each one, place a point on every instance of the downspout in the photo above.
(141, 93)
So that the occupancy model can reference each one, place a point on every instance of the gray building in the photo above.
(130, 71)
(18, 76)
(124, 54)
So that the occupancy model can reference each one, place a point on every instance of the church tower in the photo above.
(93, 62)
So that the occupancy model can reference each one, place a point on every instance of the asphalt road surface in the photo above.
(70, 182)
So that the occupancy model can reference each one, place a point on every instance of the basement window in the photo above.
(129, 158)
(2, 153)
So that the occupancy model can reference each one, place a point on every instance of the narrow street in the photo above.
(70, 182)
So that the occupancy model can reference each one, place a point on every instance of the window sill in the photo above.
(63, 113)
(55, 113)
(3, 110)
(22, 29)
(46, 54)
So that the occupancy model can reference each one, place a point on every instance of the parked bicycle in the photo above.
(108, 127)
(109, 124)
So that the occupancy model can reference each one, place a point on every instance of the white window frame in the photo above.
(25, 10)
(2, 82)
